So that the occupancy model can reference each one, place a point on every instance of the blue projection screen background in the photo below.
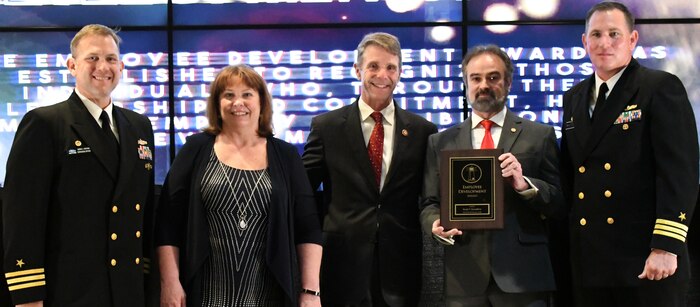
(306, 49)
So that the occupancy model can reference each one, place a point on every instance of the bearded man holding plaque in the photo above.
(505, 264)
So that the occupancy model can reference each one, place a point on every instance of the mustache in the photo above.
(485, 92)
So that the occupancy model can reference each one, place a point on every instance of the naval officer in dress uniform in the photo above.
(78, 191)
(630, 172)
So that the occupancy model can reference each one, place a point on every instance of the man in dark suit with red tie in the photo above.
(630, 172)
(369, 157)
(78, 191)
(509, 266)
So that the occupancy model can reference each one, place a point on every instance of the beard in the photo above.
(487, 102)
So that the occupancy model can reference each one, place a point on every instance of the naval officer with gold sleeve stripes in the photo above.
(630, 172)
(78, 191)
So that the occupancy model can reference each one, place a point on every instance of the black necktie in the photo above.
(107, 131)
(600, 101)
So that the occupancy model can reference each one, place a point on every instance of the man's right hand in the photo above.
(32, 304)
(439, 231)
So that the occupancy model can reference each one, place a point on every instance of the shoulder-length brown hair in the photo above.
(251, 78)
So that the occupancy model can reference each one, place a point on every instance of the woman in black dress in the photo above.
(237, 223)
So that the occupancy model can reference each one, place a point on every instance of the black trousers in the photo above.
(375, 297)
(666, 293)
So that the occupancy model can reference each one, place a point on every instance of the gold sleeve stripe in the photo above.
(28, 285)
(25, 272)
(671, 229)
(26, 278)
(672, 224)
(146, 259)
(669, 234)
(146, 265)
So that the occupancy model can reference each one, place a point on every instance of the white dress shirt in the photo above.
(367, 124)
(96, 111)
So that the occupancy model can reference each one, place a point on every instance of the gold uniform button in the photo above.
(580, 195)
(138, 234)
(138, 260)
(113, 262)
(608, 193)
(607, 166)
(138, 207)
(611, 220)
(115, 209)
(625, 126)
(581, 169)
(114, 236)
(583, 222)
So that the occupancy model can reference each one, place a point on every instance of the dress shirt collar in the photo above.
(497, 119)
(610, 82)
(95, 110)
(366, 111)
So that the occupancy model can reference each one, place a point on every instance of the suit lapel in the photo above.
(127, 150)
(510, 131)
(622, 93)
(86, 127)
(401, 142)
(464, 136)
(580, 112)
(356, 143)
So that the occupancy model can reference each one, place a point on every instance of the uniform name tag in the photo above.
(80, 150)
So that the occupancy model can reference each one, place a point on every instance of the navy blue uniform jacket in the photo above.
(631, 176)
(76, 232)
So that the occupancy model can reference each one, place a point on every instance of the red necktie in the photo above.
(375, 148)
(487, 142)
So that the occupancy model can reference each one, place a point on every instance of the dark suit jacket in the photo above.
(69, 223)
(517, 256)
(630, 177)
(292, 217)
(357, 217)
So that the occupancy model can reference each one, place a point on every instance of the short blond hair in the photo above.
(93, 29)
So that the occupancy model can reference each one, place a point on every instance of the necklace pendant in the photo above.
(242, 224)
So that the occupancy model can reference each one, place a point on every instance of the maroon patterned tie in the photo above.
(487, 143)
(375, 148)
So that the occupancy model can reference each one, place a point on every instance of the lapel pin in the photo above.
(78, 143)
(142, 142)
(148, 166)
(513, 130)
(404, 132)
